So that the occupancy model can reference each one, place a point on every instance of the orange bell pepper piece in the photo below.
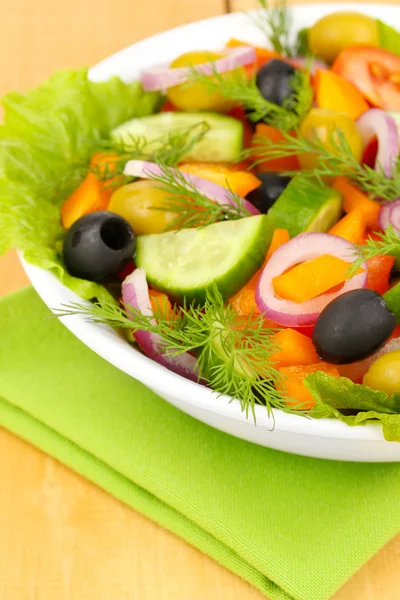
(354, 199)
(311, 278)
(280, 237)
(161, 303)
(92, 194)
(352, 227)
(289, 163)
(333, 92)
(295, 349)
(244, 301)
(227, 176)
(293, 385)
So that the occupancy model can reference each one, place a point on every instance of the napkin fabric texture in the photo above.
(296, 528)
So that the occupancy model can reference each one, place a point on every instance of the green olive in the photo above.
(335, 32)
(196, 96)
(140, 203)
(384, 373)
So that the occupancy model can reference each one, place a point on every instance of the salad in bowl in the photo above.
(234, 214)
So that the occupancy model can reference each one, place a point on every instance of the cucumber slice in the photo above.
(306, 206)
(222, 143)
(185, 263)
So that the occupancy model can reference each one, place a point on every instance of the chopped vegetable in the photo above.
(333, 92)
(389, 216)
(174, 77)
(136, 298)
(300, 249)
(352, 227)
(295, 349)
(353, 200)
(244, 301)
(280, 237)
(272, 186)
(91, 195)
(379, 270)
(322, 125)
(227, 176)
(263, 55)
(289, 163)
(321, 207)
(293, 385)
(223, 139)
(376, 123)
(311, 278)
(374, 72)
(185, 263)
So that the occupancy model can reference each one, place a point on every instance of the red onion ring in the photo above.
(161, 78)
(213, 191)
(303, 247)
(377, 122)
(389, 215)
(135, 294)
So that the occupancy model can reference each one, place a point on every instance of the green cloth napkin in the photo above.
(295, 527)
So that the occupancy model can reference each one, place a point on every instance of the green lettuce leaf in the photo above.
(45, 145)
(389, 38)
(332, 393)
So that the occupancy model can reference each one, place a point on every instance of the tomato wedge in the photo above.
(374, 71)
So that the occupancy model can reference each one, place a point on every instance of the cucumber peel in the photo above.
(222, 143)
(185, 263)
(306, 205)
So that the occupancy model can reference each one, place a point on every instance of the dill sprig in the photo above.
(332, 160)
(239, 89)
(233, 353)
(387, 243)
(169, 149)
(193, 208)
(275, 21)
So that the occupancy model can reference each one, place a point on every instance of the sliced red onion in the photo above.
(135, 294)
(303, 62)
(377, 122)
(161, 78)
(303, 247)
(389, 215)
(213, 191)
(356, 371)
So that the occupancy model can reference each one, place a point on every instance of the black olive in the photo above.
(272, 186)
(274, 81)
(352, 327)
(98, 246)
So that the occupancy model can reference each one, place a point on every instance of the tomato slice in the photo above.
(376, 73)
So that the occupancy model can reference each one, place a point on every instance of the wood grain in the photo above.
(61, 538)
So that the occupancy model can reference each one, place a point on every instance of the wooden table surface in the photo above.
(61, 538)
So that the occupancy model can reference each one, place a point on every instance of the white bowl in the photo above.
(318, 438)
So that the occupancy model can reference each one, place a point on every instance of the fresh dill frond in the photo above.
(333, 159)
(235, 86)
(234, 354)
(275, 21)
(169, 149)
(193, 208)
(387, 243)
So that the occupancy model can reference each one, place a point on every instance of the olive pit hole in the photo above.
(115, 234)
